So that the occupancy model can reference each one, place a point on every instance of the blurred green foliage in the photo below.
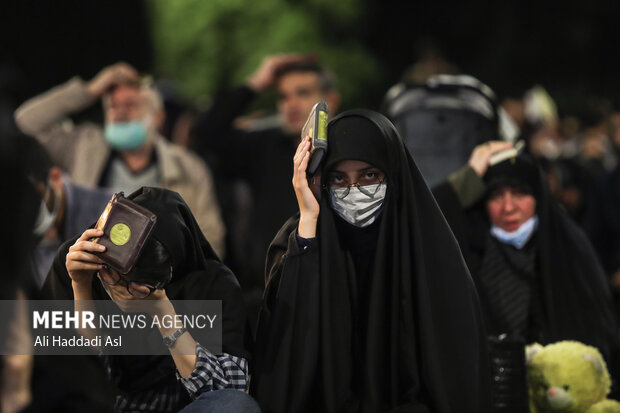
(209, 46)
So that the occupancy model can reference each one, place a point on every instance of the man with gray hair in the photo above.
(127, 153)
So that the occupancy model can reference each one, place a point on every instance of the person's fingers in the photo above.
(83, 256)
(299, 149)
(300, 168)
(489, 148)
(304, 147)
(119, 292)
(303, 144)
(303, 167)
(87, 246)
(127, 69)
(83, 266)
(496, 146)
(124, 69)
(302, 182)
(90, 233)
(290, 58)
(283, 58)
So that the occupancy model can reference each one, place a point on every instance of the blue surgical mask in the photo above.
(519, 237)
(126, 136)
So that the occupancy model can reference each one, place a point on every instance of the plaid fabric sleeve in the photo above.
(214, 372)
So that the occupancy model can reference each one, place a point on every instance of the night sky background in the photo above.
(510, 45)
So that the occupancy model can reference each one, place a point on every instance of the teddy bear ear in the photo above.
(531, 350)
(596, 362)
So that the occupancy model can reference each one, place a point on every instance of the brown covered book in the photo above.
(126, 226)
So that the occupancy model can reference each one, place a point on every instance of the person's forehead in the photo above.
(352, 165)
(294, 80)
(505, 189)
(123, 92)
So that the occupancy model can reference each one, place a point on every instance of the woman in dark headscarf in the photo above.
(538, 277)
(368, 306)
(176, 263)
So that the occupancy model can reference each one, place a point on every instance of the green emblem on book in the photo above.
(120, 234)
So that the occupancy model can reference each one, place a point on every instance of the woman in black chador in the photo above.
(538, 277)
(176, 263)
(369, 306)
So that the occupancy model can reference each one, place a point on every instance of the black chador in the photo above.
(554, 288)
(375, 319)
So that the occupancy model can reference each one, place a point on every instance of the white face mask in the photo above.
(358, 208)
(46, 219)
(519, 237)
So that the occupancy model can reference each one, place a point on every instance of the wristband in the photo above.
(172, 338)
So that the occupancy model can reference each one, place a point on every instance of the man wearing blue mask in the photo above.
(537, 275)
(65, 209)
(127, 153)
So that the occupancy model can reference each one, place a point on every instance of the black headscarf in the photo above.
(519, 172)
(423, 348)
(197, 272)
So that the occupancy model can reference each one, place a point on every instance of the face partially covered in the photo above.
(132, 114)
(356, 191)
(509, 207)
(350, 172)
(135, 285)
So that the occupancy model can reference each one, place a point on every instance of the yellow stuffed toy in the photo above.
(568, 377)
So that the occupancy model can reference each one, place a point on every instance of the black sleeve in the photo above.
(219, 118)
(612, 218)
(288, 331)
(235, 335)
(215, 137)
(450, 206)
(469, 226)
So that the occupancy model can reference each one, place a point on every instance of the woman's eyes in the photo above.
(370, 176)
(335, 179)
(365, 178)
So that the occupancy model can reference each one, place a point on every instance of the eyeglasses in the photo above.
(342, 191)
(135, 288)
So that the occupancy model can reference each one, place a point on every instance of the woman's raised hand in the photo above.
(479, 159)
(81, 261)
(308, 205)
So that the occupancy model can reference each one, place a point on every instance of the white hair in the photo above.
(151, 95)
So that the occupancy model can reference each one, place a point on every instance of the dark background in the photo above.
(510, 45)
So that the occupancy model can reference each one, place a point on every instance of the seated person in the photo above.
(176, 263)
(368, 306)
(537, 275)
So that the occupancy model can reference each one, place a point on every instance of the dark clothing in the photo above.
(507, 278)
(613, 188)
(374, 319)
(261, 158)
(570, 293)
(70, 384)
(197, 274)
(591, 203)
